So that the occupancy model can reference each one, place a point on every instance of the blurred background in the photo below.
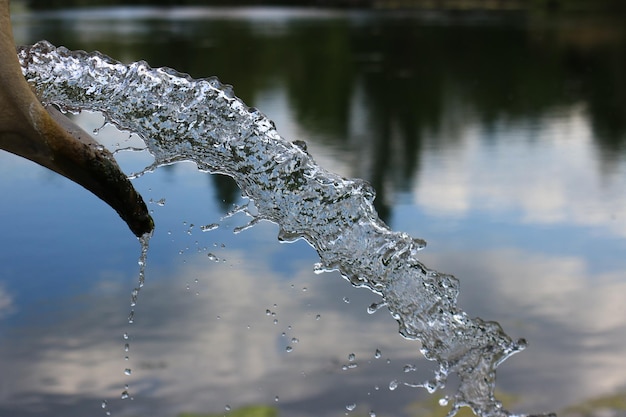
(495, 130)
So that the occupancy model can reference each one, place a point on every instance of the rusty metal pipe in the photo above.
(47, 137)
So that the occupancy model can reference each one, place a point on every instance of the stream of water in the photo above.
(184, 119)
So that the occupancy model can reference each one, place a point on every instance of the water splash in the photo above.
(182, 119)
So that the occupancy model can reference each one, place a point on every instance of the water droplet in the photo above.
(409, 368)
(288, 349)
(128, 371)
(227, 408)
(318, 317)
(374, 307)
(372, 414)
(125, 336)
(295, 340)
(276, 398)
(377, 354)
(275, 321)
(131, 317)
(209, 227)
(443, 401)
(104, 404)
(212, 257)
(126, 347)
(351, 407)
(393, 385)
(351, 357)
(161, 202)
(346, 300)
(125, 395)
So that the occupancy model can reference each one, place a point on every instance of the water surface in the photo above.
(501, 141)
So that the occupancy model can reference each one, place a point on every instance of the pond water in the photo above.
(501, 140)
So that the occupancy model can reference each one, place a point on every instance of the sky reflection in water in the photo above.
(523, 201)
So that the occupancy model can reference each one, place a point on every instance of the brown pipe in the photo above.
(47, 137)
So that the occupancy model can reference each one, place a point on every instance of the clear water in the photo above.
(181, 119)
(505, 156)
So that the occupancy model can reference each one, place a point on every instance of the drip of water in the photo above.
(182, 119)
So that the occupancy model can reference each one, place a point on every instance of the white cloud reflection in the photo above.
(541, 170)
(6, 302)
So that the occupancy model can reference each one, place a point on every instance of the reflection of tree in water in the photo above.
(226, 191)
(406, 74)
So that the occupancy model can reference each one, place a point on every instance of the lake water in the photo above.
(501, 140)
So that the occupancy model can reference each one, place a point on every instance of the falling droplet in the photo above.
(212, 257)
(409, 368)
(131, 317)
(351, 357)
(104, 404)
(126, 347)
(209, 227)
(346, 300)
(393, 385)
(128, 371)
(289, 349)
(372, 414)
(268, 312)
(374, 307)
(125, 395)
(378, 354)
(295, 340)
(276, 398)
(317, 317)
(443, 401)
(351, 407)
(227, 408)
(125, 336)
